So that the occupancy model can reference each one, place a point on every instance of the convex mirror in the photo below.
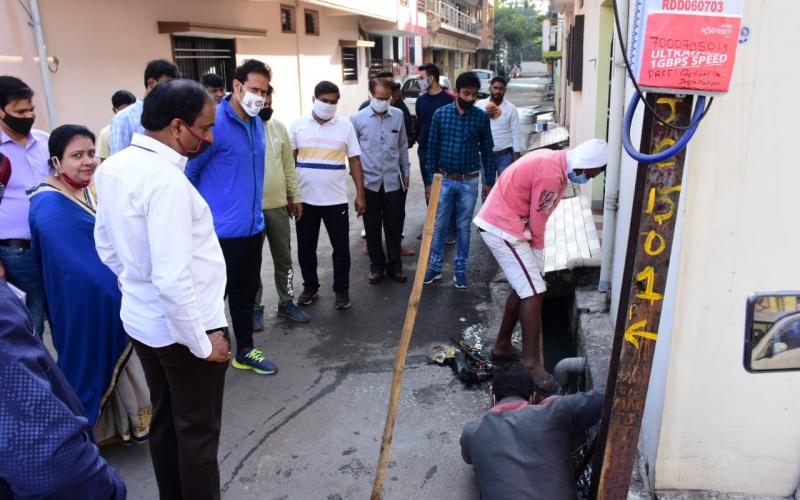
(772, 332)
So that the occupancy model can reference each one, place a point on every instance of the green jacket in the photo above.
(280, 178)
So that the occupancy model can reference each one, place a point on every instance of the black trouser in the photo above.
(422, 153)
(385, 211)
(337, 223)
(243, 265)
(186, 395)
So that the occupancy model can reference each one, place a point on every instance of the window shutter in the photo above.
(577, 54)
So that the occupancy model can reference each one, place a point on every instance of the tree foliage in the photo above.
(518, 26)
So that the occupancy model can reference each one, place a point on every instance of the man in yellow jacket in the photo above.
(281, 202)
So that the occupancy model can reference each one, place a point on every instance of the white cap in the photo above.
(590, 154)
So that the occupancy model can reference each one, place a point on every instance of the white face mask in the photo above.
(252, 103)
(424, 85)
(323, 110)
(379, 105)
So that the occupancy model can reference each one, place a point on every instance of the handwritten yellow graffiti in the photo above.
(663, 193)
(652, 236)
(634, 331)
(672, 102)
(661, 146)
(649, 278)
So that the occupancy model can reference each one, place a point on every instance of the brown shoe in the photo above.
(375, 278)
(407, 251)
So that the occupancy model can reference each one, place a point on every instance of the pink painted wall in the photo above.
(103, 46)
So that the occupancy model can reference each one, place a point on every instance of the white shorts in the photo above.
(522, 264)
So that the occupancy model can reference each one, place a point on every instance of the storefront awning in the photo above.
(190, 28)
(356, 43)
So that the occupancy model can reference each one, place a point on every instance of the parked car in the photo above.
(779, 348)
(485, 77)
(411, 91)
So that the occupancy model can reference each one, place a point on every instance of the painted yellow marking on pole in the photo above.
(665, 143)
(648, 244)
(634, 331)
(660, 218)
(649, 277)
(651, 201)
(669, 190)
(672, 102)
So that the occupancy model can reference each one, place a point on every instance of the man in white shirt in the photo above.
(155, 232)
(323, 144)
(504, 120)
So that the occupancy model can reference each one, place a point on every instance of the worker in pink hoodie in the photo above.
(512, 223)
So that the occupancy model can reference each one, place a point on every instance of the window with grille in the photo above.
(197, 57)
(312, 22)
(287, 19)
(349, 64)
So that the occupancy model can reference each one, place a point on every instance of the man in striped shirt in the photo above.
(322, 144)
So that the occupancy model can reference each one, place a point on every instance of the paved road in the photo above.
(313, 430)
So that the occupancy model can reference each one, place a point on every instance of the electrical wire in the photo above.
(639, 91)
(672, 150)
(30, 16)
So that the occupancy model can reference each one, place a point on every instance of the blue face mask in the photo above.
(577, 179)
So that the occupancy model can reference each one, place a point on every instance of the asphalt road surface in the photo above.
(313, 430)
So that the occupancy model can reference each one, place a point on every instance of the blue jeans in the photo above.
(451, 228)
(456, 199)
(501, 162)
(23, 271)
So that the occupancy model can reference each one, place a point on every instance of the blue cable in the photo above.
(672, 150)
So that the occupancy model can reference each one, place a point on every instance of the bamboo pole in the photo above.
(405, 337)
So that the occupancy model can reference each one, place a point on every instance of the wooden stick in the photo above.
(405, 337)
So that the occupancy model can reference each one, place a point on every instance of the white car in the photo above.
(411, 91)
(779, 348)
(485, 77)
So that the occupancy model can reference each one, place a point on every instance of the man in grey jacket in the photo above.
(521, 450)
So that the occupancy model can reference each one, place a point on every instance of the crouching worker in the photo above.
(522, 450)
(512, 224)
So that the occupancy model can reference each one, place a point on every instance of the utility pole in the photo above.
(652, 230)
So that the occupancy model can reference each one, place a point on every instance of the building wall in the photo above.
(109, 49)
(585, 111)
(605, 36)
(723, 428)
(583, 104)
(384, 9)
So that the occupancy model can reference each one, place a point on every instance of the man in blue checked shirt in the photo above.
(460, 141)
(129, 121)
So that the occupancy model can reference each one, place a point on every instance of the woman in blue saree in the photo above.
(94, 351)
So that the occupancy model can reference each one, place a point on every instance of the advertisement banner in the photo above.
(685, 46)
(692, 52)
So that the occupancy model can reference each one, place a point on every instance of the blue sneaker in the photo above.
(461, 280)
(292, 312)
(252, 359)
(431, 276)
